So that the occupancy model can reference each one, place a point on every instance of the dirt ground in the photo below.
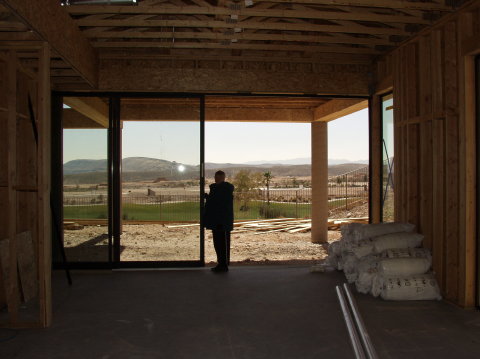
(156, 242)
(356, 212)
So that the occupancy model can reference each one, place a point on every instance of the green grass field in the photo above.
(189, 211)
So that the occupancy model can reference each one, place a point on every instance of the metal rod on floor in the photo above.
(367, 342)
(352, 330)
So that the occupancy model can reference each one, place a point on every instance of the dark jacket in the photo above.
(219, 207)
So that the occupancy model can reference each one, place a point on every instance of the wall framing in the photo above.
(434, 109)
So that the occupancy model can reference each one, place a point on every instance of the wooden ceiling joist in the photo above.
(53, 24)
(351, 28)
(91, 107)
(248, 46)
(392, 4)
(340, 39)
(337, 108)
(224, 54)
(250, 12)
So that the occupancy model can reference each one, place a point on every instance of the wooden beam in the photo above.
(249, 12)
(44, 220)
(12, 26)
(392, 4)
(376, 160)
(13, 298)
(55, 26)
(190, 112)
(258, 115)
(18, 36)
(151, 75)
(72, 119)
(337, 108)
(91, 107)
(207, 45)
(351, 28)
(339, 39)
(175, 57)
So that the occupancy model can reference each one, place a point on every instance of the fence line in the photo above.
(345, 192)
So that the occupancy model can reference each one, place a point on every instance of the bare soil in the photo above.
(156, 242)
(356, 212)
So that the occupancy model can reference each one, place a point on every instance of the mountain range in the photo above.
(302, 161)
(150, 169)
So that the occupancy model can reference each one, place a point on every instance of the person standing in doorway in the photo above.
(219, 218)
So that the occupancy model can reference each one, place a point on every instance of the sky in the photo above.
(232, 142)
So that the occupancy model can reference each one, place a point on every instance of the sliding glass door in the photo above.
(161, 181)
(129, 180)
(388, 164)
(85, 179)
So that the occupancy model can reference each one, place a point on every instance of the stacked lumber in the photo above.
(72, 226)
(288, 225)
(334, 224)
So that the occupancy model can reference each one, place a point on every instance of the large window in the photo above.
(160, 187)
(132, 185)
(85, 179)
(388, 159)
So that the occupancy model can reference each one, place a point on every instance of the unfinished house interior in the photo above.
(103, 65)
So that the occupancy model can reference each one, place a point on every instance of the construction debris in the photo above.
(72, 226)
(289, 225)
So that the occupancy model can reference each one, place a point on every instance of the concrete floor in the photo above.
(251, 312)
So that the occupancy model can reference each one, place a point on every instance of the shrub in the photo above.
(268, 212)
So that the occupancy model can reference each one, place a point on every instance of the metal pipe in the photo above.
(367, 342)
(352, 330)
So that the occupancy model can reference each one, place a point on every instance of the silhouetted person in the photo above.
(219, 218)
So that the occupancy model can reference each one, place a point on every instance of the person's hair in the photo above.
(220, 173)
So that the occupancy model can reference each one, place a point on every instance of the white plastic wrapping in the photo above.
(379, 229)
(364, 282)
(349, 262)
(366, 271)
(415, 287)
(335, 248)
(384, 260)
(403, 266)
(397, 240)
(361, 248)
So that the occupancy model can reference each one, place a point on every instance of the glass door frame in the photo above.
(114, 163)
(477, 140)
(116, 182)
(114, 168)
(382, 150)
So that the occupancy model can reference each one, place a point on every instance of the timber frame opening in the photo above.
(114, 169)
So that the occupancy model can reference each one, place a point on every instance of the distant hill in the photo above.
(84, 171)
(272, 163)
(293, 161)
(133, 169)
(129, 164)
(277, 171)
(286, 170)
(83, 166)
(340, 169)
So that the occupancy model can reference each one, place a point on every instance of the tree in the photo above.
(267, 177)
(245, 183)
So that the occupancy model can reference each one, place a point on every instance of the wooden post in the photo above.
(375, 159)
(319, 182)
(13, 298)
(44, 180)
